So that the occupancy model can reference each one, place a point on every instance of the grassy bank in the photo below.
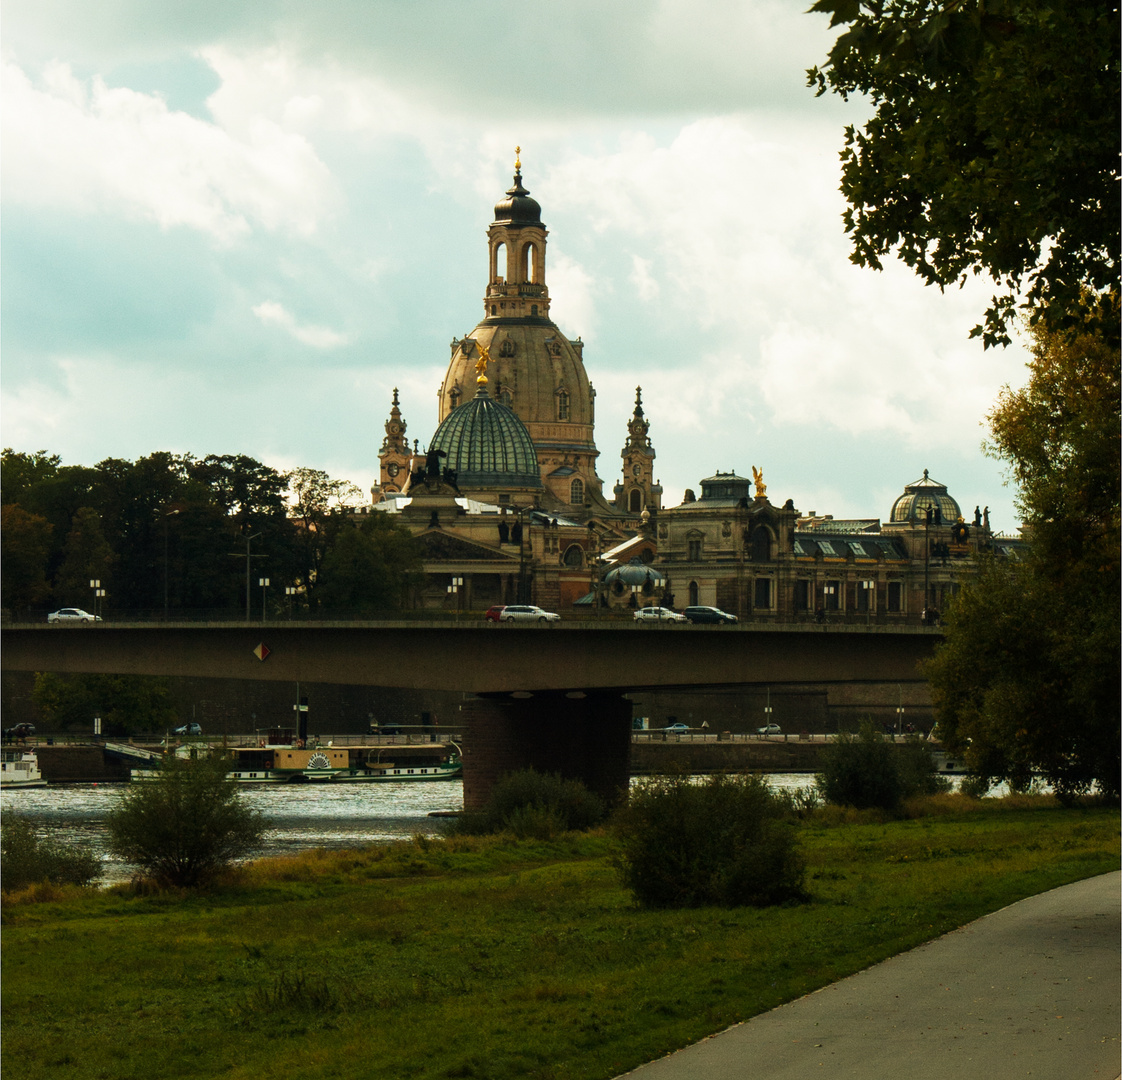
(476, 958)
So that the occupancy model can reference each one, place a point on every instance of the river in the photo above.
(297, 816)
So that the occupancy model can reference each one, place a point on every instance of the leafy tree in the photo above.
(87, 556)
(725, 840)
(185, 825)
(368, 567)
(533, 804)
(1027, 679)
(19, 472)
(317, 500)
(29, 858)
(861, 770)
(27, 547)
(125, 703)
(994, 146)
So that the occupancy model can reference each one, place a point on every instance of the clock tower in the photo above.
(638, 491)
(395, 455)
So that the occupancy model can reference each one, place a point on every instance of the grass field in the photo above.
(489, 958)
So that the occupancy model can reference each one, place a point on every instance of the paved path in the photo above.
(1032, 990)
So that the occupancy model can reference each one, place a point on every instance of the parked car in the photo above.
(770, 729)
(188, 729)
(657, 614)
(492, 614)
(676, 729)
(72, 614)
(19, 731)
(527, 613)
(708, 615)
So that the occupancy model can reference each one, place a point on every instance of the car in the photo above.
(72, 614)
(188, 729)
(657, 614)
(19, 731)
(769, 729)
(494, 613)
(527, 613)
(708, 615)
(676, 729)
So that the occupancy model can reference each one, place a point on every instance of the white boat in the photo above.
(20, 769)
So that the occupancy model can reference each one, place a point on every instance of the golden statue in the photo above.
(481, 364)
(517, 159)
(761, 487)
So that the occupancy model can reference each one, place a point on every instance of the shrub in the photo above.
(535, 805)
(918, 775)
(186, 824)
(726, 840)
(29, 859)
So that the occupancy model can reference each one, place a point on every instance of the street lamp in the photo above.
(169, 513)
(899, 717)
(237, 555)
(767, 709)
(454, 589)
(926, 558)
(290, 591)
(264, 583)
(95, 584)
(868, 587)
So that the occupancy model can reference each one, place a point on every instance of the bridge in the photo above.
(548, 696)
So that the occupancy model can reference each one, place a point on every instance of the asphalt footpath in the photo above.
(1032, 990)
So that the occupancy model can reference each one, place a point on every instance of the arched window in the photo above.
(573, 557)
(693, 594)
(454, 397)
(562, 404)
(761, 545)
(505, 396)
(576, 492)
(635, 501)
(497, 267)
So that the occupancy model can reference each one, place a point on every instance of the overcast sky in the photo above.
(234, 228)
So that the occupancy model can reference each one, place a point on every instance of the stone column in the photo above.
(586, 738)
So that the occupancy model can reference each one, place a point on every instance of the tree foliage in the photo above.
(725, 840)
(1028, 677)
(528, 803)
(186, 825)
(369, 566)
(993, 147)
(29, 858)
(127, 704)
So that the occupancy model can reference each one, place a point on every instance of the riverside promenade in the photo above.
(1031, 991)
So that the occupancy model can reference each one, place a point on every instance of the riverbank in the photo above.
(434, 958)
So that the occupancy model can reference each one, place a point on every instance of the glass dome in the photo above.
(911, 507)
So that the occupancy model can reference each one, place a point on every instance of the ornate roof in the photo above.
(487, 446)
(518, 208)
(911, 507)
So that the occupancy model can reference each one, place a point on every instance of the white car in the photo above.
(72, 614)
(770, 729)
(527, 613)
(658, 614)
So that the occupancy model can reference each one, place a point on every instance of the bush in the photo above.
(29, 859)
(535, 805)
(186, 824)
(726, 840)
(867, 771)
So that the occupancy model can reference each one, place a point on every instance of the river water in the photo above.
(297, 816)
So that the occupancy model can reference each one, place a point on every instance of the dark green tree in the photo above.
(369, 567)
(186, 825)
(86, 556)
(30, 858)
(1028, 677)
(993, 147)
(27, 548)
(126, 703)
(861, 770)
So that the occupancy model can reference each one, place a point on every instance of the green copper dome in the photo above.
(487, 446)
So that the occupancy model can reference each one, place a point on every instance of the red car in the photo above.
(494, 614)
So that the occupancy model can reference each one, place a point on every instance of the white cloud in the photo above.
(318, 337)
(94, 148)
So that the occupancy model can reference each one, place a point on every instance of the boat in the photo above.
(290, 762)
(20, 769)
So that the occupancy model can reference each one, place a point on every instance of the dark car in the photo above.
(495, 613)
(19, 731)
(708, 615)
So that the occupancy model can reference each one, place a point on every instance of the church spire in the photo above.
(395, 455)
(638, 490)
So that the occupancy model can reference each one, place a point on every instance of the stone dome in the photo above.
(910, 508)
(518, 208)
(487, 446)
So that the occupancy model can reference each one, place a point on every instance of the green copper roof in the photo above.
(487, 446)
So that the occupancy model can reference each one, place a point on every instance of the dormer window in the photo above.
(576, 492)
(454, 397)
(562, 405)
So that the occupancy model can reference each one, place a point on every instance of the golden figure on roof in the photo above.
(481, 364)
(761, 487)
(518, 159)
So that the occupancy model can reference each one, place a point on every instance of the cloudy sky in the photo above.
(234, 228)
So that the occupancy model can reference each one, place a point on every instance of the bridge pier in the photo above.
(584, 737)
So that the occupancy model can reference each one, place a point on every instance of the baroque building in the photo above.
(508, 507)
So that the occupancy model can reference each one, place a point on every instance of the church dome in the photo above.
(910, 508)
(518, 208)
(487, 446)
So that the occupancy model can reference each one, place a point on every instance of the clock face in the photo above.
(636, 470)
(393, 469)
(394, 429)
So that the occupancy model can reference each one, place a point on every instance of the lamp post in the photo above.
(868, 587)
(454, 589)
(899, 718)
(95, 584)
(167, 514)
(767, 710)
(290, 592)
(264, 583)
(238, 555)
(926, 558)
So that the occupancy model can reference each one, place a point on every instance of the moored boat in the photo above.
(20, 769)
